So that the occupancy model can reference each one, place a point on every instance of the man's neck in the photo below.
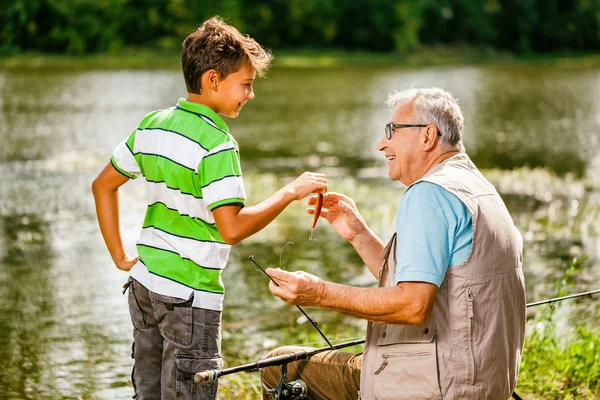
(432, 162)
(440, 158)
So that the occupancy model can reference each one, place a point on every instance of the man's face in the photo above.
(401, 150)
(234, 91)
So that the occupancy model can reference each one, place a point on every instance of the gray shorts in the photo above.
(171, 342)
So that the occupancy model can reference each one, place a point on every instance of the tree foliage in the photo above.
(84, 26)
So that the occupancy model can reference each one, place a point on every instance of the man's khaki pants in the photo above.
(328, 375)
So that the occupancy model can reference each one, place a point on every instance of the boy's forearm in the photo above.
(254, 218)
(235, 223)
(107, 211)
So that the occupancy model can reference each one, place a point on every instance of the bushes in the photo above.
(83, 26)
(560, 365)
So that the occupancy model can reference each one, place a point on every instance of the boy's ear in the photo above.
(210, 79)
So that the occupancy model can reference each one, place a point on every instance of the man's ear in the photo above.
(210, 80)
(430, 138)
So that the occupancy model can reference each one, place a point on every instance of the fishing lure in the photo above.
(318, 207)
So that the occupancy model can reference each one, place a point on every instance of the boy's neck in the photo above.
(200, 99)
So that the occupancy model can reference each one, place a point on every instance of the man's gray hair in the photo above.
(437, 107)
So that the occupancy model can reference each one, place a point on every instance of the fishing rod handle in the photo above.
(206, 376)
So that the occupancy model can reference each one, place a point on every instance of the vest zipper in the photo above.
(382, 366)
(399, 355)
(471, 327)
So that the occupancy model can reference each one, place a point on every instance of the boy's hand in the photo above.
(308, 182)
(126, 262)
(342, 214)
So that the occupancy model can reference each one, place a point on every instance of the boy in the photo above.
(195, 213)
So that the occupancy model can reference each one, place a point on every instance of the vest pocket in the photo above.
(407, 365)
(407, 371)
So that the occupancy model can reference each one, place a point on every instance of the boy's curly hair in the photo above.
(219, 46)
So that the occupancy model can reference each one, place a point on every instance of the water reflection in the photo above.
(26, 306)
(527, 117)
(64, 326)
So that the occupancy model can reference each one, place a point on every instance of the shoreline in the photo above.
(149, 59)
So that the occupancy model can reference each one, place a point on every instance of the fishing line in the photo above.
(281, 254)
(313, 323)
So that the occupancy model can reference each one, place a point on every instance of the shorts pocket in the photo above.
(174, 318)
(187, 366)
(138, 318)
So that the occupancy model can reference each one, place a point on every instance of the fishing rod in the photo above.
(289, 391)
(557, 299)
(296, 390)
(313, 323)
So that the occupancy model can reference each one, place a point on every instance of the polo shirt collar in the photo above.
(201, 109)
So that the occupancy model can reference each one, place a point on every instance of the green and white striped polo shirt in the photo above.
(191, 166)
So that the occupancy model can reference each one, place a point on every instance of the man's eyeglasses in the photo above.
(389, 128)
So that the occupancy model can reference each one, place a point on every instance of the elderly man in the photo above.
(448, 318)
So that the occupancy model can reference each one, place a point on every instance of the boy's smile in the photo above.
(234, 91)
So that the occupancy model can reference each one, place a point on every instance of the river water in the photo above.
(64, 326)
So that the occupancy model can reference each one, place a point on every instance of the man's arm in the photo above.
(369, 247)
(106, 194)
(236, 223)
(407, 303)
(341, 212)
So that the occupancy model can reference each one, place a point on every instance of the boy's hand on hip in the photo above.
(307, 183)
(126, 262)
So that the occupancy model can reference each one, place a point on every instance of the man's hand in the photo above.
(127, 262)
(342, 214)
(308, 182)
(299, 287)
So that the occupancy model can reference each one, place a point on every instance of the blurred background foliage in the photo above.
(87, 26)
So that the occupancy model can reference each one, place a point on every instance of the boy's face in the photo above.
(234, 91)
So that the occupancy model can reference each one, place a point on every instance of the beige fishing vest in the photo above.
(470, 346)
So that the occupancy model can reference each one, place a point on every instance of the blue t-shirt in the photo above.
(434, 231)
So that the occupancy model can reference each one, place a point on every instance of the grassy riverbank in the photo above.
(433, 56)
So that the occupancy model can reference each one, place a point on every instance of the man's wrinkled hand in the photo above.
(299, 287)
(341, 212)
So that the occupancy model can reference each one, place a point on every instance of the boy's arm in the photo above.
(235, 223)
(105, 188)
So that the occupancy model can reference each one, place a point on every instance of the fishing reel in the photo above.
(295, 390)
